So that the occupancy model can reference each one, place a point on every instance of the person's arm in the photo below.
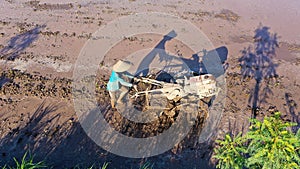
(124, 83)
(129, 75)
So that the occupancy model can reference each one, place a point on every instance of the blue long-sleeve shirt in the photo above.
(115, 81)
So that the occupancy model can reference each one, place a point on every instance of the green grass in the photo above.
(28, 163)
(147, 165)
(104, 166)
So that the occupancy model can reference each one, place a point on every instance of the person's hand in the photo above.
(135, 79)
(135, 87)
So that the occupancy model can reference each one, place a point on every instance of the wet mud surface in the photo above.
(41, 40)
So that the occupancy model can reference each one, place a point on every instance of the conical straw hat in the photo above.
(121, 66)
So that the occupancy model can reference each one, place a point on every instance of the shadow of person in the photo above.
(196, 65)
(19, 43)
(214, 59)
(193, 63)
(159, 50)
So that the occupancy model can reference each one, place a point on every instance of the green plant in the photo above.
(230, 153)
(268, 144)
(147, 165)
(28, 163)
(272, 145)
(104, 166)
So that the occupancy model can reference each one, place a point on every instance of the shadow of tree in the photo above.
(66, 145)
(257, 63)
(19, 43)
(59, 144)
(23, 137)
(292, 110)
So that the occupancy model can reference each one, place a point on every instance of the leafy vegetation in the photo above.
(230, 153)
(268, 144)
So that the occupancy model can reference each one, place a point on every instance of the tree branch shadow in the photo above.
(256, 62)
(292, 110)
(19, 43)
(61, 143)
(16, 142)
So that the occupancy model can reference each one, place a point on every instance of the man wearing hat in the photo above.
(116, 82)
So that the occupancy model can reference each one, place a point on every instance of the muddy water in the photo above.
(281, 16)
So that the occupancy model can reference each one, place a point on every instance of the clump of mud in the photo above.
(18, 83)
(228, 15)
(46, 6)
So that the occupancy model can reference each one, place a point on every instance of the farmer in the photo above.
(116, 84)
